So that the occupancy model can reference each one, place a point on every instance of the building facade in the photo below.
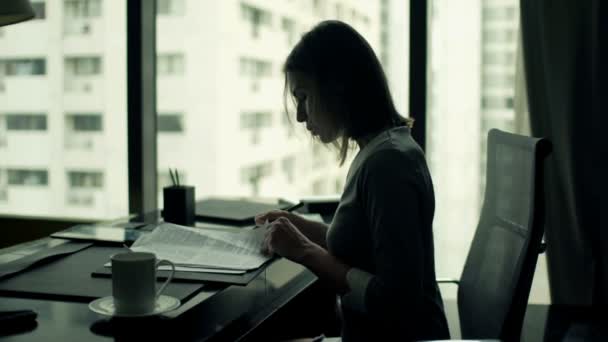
(221, 114)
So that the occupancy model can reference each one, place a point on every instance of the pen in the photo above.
(294, 207)
(172, 177)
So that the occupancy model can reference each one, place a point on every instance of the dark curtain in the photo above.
(561, 57)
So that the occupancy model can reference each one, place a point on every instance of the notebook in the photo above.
(235, 210)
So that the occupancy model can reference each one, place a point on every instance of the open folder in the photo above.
(205, 250)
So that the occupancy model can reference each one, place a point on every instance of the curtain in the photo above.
(561, 61)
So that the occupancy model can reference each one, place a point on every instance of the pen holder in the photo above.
(178, 204)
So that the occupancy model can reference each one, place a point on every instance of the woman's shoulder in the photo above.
(396, 147)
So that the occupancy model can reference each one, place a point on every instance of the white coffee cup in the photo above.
(134, 282)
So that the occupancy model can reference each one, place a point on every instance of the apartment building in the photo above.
(221, 114)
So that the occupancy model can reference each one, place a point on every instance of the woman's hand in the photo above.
(282, 237)
(314, 231)
(272, 215)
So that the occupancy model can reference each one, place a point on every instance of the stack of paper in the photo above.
(205, 250)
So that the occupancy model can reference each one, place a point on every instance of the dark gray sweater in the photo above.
(383, 230)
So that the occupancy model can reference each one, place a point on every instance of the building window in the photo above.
(82, 8)
(170, 123)
(498, 36)
(318, 187)
(253, 175)
(339, 11)
(39, 7)
(499, 13)
(506, 58)
(496, 102)
(288, 165)
(21, 67)
(256, 17)
(256, 120)
(499, 81)
(255, 68)
(170, 64)
(84, 122)
(26, 122)
(339, 186)
(170, 7)
(85, 179)
(28, 177)
(83, 66)
(289, 28)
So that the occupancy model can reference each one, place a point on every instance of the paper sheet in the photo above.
(194, 269)
(213, 249)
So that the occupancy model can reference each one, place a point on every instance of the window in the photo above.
(256, 17)
(499, 13)
(471, 87)
(496, 35)
(85, 179)
(25, 122)
(170, 7)
(255, 68)
(170, 64)
(170, 123)
(496, 102)
(499, 57)
(498, 81)
(21, 67)
(82, 8)
(83, 66)
(84, 122)
(318, 187)
(28, 177)
(39, 7)
(289, 28)
(256, 120)
(288, 165)
(232, 92)
(253, 175)
(74, 120)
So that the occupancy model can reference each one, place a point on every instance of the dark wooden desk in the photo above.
(223, 313)
(216, 313)
(279, 300)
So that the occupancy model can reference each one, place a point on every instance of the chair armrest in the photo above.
(447, 281)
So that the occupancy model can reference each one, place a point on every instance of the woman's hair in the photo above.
(349, 80)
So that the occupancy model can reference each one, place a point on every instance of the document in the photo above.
(214, 250)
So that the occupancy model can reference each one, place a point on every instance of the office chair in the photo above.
(495, 283)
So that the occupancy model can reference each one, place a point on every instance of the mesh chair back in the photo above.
(498, 271)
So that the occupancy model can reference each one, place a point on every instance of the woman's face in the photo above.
(309, 109)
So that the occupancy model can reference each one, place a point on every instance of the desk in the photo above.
(233, 313)
(217, 312)
(223, 313)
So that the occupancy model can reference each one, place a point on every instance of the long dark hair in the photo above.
(349, 78)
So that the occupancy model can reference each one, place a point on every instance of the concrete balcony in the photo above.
(27, 148)
(24, 93)
(83, 35)
(85, 142)
(87, 198)
(84, 93)
(28, 200)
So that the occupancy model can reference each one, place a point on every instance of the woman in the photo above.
(378, 250)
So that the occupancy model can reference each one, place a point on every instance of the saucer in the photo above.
(105, 306)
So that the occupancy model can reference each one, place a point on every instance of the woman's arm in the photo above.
(327, 268)
(393, 208)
